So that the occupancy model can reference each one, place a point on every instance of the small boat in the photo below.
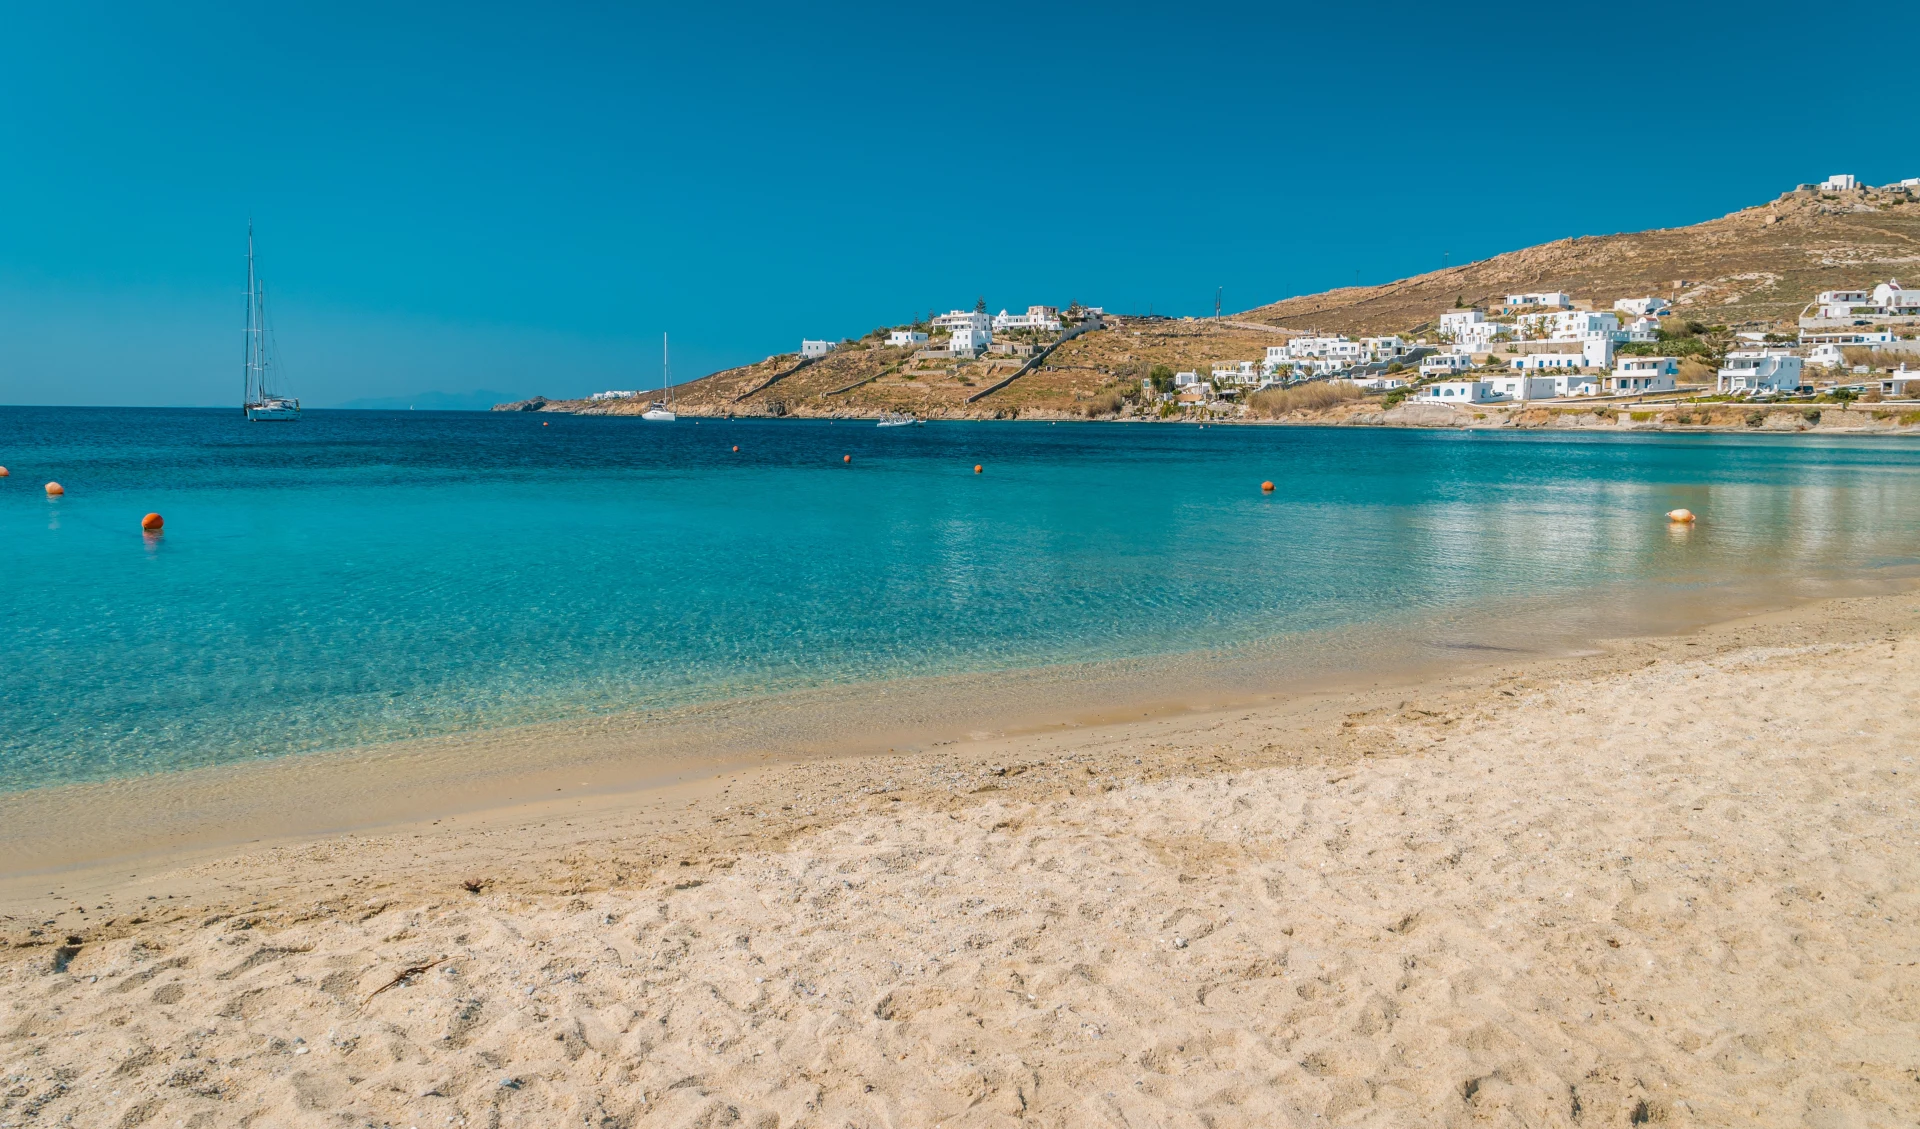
(897, 419)
(258, 400)
(661, 411)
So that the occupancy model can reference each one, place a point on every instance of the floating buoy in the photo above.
(54, 489)
(846, 458)
(3, 472)
(1684, 517)
(544, 423)
(736, 448)
(976, 468)
(1266, 487)
(152, 523)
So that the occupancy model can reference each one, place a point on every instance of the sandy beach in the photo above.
(1670, 882)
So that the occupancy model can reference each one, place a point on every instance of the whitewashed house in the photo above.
(1645, 374)
(1641, 329)
(1641, 307)
(1759, 371)
(907, 337)
(815, 348)
(1840, 182)
(970, 341)
(1894, 300)
(1845, 303)
(612, 395)
(1555, 300)
(1379, 383)
(1827, 354)
(1537, 362)
(967, 319)
(1458, 323)
(1046, 318)
(1446, 364)
(1510, 386)
(1459, 392)
(1242, 372)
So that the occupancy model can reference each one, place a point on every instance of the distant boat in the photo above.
(897, 419)
(259, 400)
(657, 411)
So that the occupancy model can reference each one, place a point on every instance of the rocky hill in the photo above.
(1755, 268)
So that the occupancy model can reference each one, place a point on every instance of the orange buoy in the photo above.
(1683, 516)
(544, 423)
(3, 472)
(846, 458)
(976, 468)
(54, 489)
(1266, 487)
(152, 523)
(736, 448)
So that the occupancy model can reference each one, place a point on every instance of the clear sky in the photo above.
(523, 198)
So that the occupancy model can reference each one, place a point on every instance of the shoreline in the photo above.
(149, 821)
(1568, 879)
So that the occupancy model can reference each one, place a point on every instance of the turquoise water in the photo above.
(361, 577)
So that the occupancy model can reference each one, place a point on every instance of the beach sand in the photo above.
(1669, 883)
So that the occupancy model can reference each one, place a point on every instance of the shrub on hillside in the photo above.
(1276, 402)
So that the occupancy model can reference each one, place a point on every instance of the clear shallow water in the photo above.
(362, 577)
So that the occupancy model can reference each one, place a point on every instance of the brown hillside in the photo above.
(1756, 267)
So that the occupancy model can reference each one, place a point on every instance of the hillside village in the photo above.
(1596, 340)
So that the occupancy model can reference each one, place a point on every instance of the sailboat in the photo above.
(658, 411)
(259, 401)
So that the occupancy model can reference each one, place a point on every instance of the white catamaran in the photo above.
(662, 411)
(259, 400)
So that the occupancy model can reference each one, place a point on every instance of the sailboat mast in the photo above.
(246, 337)
(666, 369)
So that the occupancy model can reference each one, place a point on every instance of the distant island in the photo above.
(1646, 329)
(430, 402)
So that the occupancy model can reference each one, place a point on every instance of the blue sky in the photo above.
(454, 197)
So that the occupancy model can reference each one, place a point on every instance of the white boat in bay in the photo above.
(259, 399)
(897, 419)
(662, 411)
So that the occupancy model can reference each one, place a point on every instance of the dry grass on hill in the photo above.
(1759, 265)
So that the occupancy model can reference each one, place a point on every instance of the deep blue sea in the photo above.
(361, 577)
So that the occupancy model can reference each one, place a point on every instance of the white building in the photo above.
(815, 348)
(1641, 329)
(907, 337)
(963, 319)
(1511, 387)
(1840, 182)
(1045, 318)
(613, 395)
(969, 341)
(1535, 362)
(1187, 379)
(1459, 392)
(1641, 307)
(1759, 370)
(1844, 303)
(1379, 383)
(1554, 300)
(1827, 355)
(1895, 300)
(1454, 323)
(1887, 300)
(1645, 374)
(1568, 325)
(1446, 364)
(1242, 372)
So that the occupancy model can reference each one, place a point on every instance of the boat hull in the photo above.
(659, 415)
(265, 413)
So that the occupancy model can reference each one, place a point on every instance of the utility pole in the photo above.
(1216, 301)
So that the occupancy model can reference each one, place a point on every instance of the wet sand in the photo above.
(1671, 882)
